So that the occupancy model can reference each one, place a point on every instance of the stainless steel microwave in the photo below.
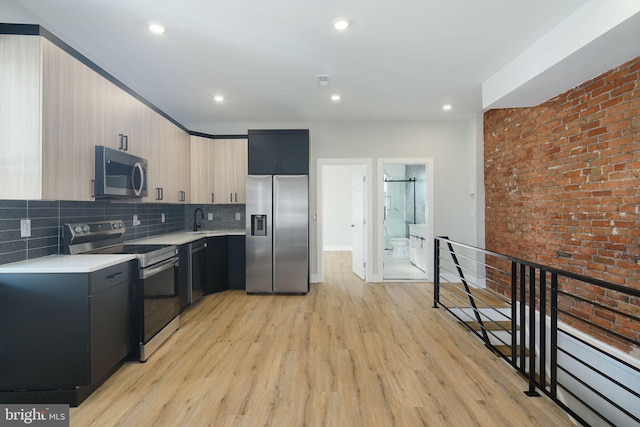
(119, 174)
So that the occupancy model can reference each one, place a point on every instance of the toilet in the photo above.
(400, 246)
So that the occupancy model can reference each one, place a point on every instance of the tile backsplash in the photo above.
(224, 217)
(48, 216)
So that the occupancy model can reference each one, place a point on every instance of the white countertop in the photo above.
(183, 237)
(93, 262)
(66, 263)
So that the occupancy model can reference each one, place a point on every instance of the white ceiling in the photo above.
(401, 60)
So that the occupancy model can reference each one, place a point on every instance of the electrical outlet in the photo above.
(25, 228)
(238, 216)
(162, 218)
(210, 216)
(135, 220)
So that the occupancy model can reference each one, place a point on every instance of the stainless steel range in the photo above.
(155, 304)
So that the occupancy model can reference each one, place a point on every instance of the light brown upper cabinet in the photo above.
(202, 170)
(167, 150)
(54, 110)
(218, 170)
(230, 170)
(44, 122)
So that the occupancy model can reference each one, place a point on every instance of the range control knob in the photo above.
(77, 229)
(85, 228)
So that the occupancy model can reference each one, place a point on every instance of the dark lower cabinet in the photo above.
(184, 253)
(225, 263)
(237, 256)
(62, 334)
(217, 265)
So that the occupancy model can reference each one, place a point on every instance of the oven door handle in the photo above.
(164, 265)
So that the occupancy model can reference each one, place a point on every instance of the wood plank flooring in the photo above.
(347, 354)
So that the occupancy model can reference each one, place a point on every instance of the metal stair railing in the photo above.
(559, 351)
(467, 290)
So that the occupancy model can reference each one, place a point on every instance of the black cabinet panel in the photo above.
(67, 330)
(237, 257)
(184, 254)
(284, 152)
(44, 337)
(110, 329)
(263, 154)
(293, 153)
(217, 266)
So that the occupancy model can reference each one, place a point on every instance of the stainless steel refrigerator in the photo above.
(277, 234)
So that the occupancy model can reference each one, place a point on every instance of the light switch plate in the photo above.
(238, 216)
(25, 228)
(210, 216)
(162, 218)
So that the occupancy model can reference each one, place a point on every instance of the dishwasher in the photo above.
(197, 269)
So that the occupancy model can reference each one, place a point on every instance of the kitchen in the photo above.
(156, 211)
(133, 307)
(53, 203)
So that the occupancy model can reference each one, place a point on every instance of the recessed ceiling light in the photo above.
(218, 98)
(447, 107)
(156, 28)
(335, 97)
(341, 23)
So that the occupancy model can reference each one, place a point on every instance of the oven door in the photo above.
(160, 297)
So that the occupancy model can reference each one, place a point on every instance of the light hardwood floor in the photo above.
(348, 353)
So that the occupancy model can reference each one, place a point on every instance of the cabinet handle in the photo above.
(159, 193)
(113, 276)
(231, 197)
(93, 188)
(126, 143)
(212, 198)
(183, 196)
(236, 197)
(121, 139)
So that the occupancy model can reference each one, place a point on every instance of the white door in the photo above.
(358, 235)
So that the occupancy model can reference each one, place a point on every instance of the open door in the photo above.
(358, 223)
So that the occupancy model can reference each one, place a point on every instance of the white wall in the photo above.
(11, 12)
(336, 207)
(449, 143)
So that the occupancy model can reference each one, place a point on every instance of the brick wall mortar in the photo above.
(562, 181)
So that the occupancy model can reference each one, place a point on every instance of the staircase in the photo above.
(538, 333)
(488, 315)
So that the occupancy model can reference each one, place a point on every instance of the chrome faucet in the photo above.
(196, 224)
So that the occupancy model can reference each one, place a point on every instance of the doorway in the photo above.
(344, 207)
(406, 225)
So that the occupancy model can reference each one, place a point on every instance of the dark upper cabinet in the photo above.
(263, 154)
(283, 152)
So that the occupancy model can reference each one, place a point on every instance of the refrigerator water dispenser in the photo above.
(258, 225)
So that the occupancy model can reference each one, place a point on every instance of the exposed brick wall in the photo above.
(562, 182)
